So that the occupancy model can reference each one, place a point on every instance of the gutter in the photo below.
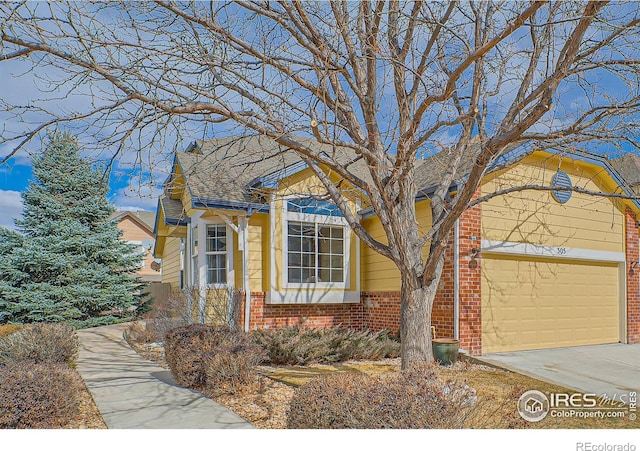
(177, 222)
(200, 202)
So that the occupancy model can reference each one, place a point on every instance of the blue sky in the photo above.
(15, 179)
(127, 189)
(140, 169)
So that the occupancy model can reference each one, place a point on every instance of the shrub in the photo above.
(205, 356)
(184, 348)
(301, 346)
(415, 399)
(140, 333)
(167, 314)
(41, 395)
(226, 367)
(40, 343)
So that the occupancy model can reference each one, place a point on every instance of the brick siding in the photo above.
(470, 291)
(266, 316)
(633, 280)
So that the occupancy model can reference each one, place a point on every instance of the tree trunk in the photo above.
(415, 317)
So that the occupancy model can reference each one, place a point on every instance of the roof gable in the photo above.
(236, 172)
(144, 219)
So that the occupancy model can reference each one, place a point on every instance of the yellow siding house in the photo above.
(526, 270)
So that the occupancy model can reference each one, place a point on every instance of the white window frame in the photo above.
(201, 261)
(318, 220)
(228, 239)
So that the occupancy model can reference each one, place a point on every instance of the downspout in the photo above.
(456, 280)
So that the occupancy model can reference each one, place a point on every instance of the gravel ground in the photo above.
(89, 417)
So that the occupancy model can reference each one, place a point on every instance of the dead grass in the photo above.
(496, 384)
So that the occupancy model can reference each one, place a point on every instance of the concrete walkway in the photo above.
(612, 369)
(133, 393)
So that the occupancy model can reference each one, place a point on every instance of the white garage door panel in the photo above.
(536, 304)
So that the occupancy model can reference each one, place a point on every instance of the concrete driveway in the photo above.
(612, 369)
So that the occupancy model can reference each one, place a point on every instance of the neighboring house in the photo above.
(137, 228)
(527, 270)
(628, 167)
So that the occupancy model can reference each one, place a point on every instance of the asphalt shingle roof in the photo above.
(224, 168)
(146, 217)
(172, 208)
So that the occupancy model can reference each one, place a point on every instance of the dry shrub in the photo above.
(6, 329)
(140, 333)
(301, 346)
(158, 328)
(202, 356)
(185, 348)
(41, 395)
(166, 315)
(231, 366)
(40, 343)
(413, 399)
(222, 310)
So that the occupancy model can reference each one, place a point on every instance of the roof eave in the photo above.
(201, 202)
(509, 158)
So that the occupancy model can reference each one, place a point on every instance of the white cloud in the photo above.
(147, 201)
(10, 207)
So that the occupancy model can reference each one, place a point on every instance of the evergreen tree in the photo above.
(69, 263)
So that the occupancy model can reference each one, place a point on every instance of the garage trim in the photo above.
(536, 250)
(568, 253)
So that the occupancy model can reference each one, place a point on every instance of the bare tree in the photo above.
(390, 81)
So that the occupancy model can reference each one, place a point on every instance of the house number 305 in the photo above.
(561, 251)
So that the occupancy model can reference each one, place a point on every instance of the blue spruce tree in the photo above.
(68, 263)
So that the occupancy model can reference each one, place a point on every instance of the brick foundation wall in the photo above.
(266, 316)
(633, 280)
(377, 310)
(381, 310)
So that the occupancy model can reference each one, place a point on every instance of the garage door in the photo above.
(536, 304)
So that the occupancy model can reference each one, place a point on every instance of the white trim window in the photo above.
(316, 243)
(216, 254)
